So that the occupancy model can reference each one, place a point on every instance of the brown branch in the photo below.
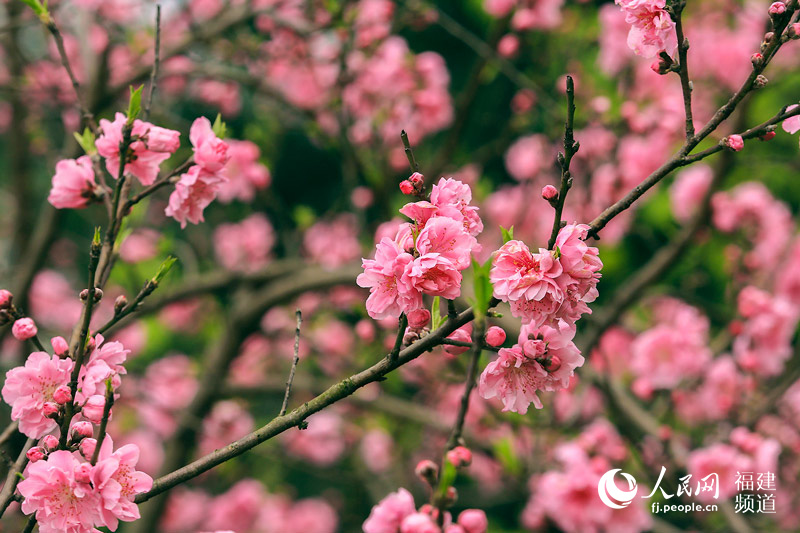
(564, 159)
(101, 435)
(469, 384)
(683, 68)
(295, 360)
(296, 417)
(54, 31)
(7, 494)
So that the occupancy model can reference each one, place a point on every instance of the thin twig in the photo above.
(30, 525)
(37, 343)
(683, 69)
(7, 494)
(10, 429)
(564, 160)
(156, 63)
(412, 162)
(76, 86)
(469, 384)
(398, 341)
(295, 360)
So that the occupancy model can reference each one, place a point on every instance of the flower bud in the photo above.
(36, 453)
(98, 294)
(549, 193)
(427, 471)
(120, 303)
(768, 135)
(554, 363)
(756, 59)
(87, 447)
(60, 346)
(406, 187)
(777, 8)
(50, 409)
(495, 336)
(418, 318)
(410, 336)
(460, 456)
(83, 473)
(662, 65)
(84, 294)
(508, 45)
(794, 30)
(62, 395)
(473, 521)
(49, 442)
(90, 345)
(734, 142)
(5, 299)
(93, 408)
(417, 180)
(760, 82)
(24, 329)
(82, 429)
(163, 140)
(450, 497)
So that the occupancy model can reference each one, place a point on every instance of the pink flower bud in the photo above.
(768, 136)
(460, 456)
(734, 142)
(120, 303)
(60, 346)
(50, 409)
(87, 447)
(83, 473)
(495, 336)
(664, 432)
(794, 30)
(5, 299)
(473, 521)
(90, 345)
(417, 180)
(406, 187)
(554, 364)
(163, 140)
(24, 329)
(93, 408)
(427, 471)
(450, 496)
(508, 45)
(62, 395)
(777, 8)
(50, 442)
(82, 429)
(36, 453)
(756, 59)
(549, 192)
(418, 318)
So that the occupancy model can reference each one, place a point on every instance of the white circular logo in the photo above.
(613, 496)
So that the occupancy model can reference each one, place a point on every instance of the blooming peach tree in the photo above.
(189, 301)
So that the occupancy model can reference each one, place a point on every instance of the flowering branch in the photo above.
(571, 146)
(296, 417)
(769, 48)
(295, 360)
(101, 435)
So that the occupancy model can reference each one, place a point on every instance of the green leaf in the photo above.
(436, 315)
(86, 141)
(508, 234)
(449, 473)
(482, 287)
(164, 269)
(219, 128)
(135, 104)
(40, 9)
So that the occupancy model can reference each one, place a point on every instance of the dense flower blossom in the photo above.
(147, 153)
(764, 343)
(688, 190)
(210, 152)
(62, 502)
(388, 515)
(544, 360)
(73, 184)
(427, 255)
(28, 388)
(195, 191)
(333, 243)
(652, 29)
(245, 174)
(721, 460)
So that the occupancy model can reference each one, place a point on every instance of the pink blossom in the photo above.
(24, 329)
(237, 509)
(452, 198)
(5, 299)
(116, 482)
(495, 336)
(93, 408)
(210, 152)
(73, 184)
(28, 388)
(734, 142)
(377, 450)
(764, 344)
(195, 191)
(528, 156)
(652, 29)
(473, 521)
(322, 442)
(446, 238)
(435, 275)
(246, 246)
(388, 515)
(333, 243)
(145, 162)
(391, 292)
(462, 334)
(227, 422)
(791, 124)
(62, 503)
(418, 318)
(246, 174)
(688, 190)
(545, 360)
(140, 245)
(721, 460)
